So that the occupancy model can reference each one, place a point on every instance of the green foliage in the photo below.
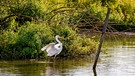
(7, 40)
(67, 11)
(73, 44)
(27, 41)
(26, 11)
(109, 3)
(28, 25)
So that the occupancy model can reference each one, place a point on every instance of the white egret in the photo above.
(53, 49)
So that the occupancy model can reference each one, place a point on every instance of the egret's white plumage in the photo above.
(52, 48)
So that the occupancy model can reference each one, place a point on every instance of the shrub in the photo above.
(26, 11)
(29, 39)
(26, 42)
(7, 40)
(73, 44)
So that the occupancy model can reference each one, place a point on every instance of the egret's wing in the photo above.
(48, 46)
(51, 51)
(58, 47)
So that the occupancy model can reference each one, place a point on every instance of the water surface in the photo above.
(118, 60)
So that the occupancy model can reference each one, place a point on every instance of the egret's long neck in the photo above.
(58, 40)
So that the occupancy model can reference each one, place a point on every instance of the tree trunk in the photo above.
(101, 39)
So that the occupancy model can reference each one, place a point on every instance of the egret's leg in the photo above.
(55, 56)
(47, 58)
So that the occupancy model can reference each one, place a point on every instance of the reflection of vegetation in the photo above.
(36, 68)
(115, 40)
(22, 68)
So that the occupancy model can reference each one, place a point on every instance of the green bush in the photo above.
(73, 44)
(29, 39)
(26, 11)
(26, 42)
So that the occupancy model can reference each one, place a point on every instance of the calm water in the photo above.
(118, 60)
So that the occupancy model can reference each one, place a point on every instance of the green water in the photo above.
(117, 59)
(43, 68)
